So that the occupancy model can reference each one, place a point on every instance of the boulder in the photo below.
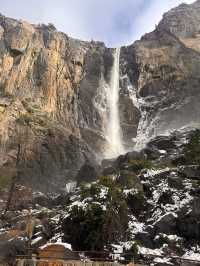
(136, 155)
(175, 181)
(41, 199)
(146, 239)
(166, 198)
(189, 227)
(166, 224)
(190, 171)
(88, 172)
(162, 143)
(10, 249)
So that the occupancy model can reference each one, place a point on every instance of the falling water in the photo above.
(115, 146)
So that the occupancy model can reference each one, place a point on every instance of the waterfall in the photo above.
(113, 134)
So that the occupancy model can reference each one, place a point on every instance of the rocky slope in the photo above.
(145, 205)
(53, 118)
(162, 70)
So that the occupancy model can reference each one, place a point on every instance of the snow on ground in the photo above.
(161, 217)
(56, 238)
(80, 204)
(117, 251)
(154, 172)
(162, 187)
(66, 245)
(126, 245)
(180, 197)
(103, 192)
(131, 191)
(71, 186)
(182, 202)
(149, 251)
(163, 260)
(172, 238)
(36, 240)
(191, 255)
(162, 151)
(135, 226)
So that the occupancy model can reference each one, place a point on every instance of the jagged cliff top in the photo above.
(183, 21)
(9, 23)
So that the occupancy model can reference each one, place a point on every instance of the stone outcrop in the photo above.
(163, 71)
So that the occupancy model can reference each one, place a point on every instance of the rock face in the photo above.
(50, 101)
(53, 103)
(53, 107)
(182, 21)
(53, 116)
(163, 70)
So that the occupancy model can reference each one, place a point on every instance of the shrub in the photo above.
(192, 148)
(84, 190)
(136, 202)
(87, 190)
(129, 180)
(92, 227)
(95, 190)
(5, 181)
(132, 253)
(106, 181)
(116, 217)
(83, 227)
(139, 164)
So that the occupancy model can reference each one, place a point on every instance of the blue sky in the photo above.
(116, 22)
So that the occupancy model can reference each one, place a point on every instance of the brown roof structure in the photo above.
(57, 251)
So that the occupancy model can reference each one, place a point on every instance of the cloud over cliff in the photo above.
(114, 22)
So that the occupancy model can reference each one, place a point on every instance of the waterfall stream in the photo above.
(114, 135)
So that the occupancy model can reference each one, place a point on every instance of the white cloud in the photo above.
(147, 20)
(94, 19)
(112, 21)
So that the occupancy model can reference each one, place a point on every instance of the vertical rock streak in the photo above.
(115, 146)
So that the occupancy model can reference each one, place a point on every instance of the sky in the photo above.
(115, 22)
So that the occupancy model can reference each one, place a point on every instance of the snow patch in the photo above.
(103, 193)
(191, 255)
(66, 245)
(163, 260)
(70, 187)
(149, 251)
(135, 226)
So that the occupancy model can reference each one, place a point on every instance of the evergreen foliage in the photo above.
(192, 149)
(101, 220)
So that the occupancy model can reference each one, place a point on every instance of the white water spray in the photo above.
(115, 146)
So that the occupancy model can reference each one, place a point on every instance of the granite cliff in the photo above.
(163, 69)
(53, 94)
(53, 102)
(53, 120)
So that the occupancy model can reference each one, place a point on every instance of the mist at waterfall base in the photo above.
(113, 131)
